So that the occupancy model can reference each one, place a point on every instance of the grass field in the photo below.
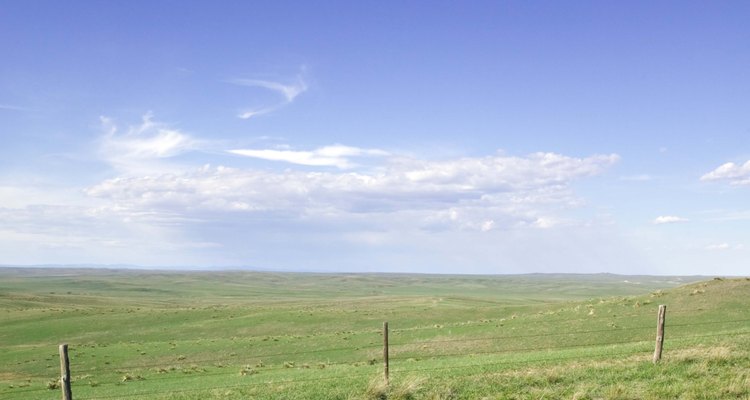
(247, 335)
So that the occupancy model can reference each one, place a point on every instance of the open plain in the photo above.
(256, 335)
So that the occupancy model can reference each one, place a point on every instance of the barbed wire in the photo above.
(407, 370)
(224, 359)
(516, 362)
(352, 376)
(424, 342)
(366, 347)
(394, 346)
(244, 385)
(444, 355)
(530, 349)
(202, 372)
(592, 331)
(520, 336)
(571, 346)
(510, 319)
(24, 390)
(709, 323)
(477, 322)
(553, 334)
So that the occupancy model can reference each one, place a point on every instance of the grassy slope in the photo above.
(265, 335)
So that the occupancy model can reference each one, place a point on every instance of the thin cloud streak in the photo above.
(255, 113)
(288, 91)
(9, 107)
(669, 219)
(335, 156)
(719, 247)
(637, 178)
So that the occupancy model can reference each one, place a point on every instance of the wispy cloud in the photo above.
(247, 114)
(336, 156)
(149, 140)
(724, 246)
(289, 91)
(669, 219)
(9, 107)
(735, 174)
(728, 215)
(46, 233)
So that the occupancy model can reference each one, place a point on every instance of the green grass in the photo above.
(230, 335)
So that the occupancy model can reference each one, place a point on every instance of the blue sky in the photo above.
(449, 137)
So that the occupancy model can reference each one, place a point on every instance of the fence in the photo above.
(536, 347)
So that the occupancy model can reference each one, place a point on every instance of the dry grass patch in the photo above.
(701, 354)
(377, 389)
(407, 389)
(13, 376)
(555, 373)
(739, 386)
(439, 345)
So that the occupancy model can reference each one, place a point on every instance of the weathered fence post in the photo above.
(660, 332)
(67, 394)
(385, 351)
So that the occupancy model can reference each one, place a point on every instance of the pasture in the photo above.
(258, 335)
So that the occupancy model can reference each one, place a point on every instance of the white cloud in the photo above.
(734, 173)
(336, 156)
(724, 246)
(500, 173)
(453, 211)
(142, 143)
(545, 222)
(465, 194)
(669, 219)
(719, 247)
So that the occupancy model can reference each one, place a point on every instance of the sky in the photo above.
(489, 137)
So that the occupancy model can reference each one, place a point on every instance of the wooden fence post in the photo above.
(67, 394)
(660, 332)
(385, 351)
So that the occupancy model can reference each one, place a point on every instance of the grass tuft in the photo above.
(407, 389)
(247, 370)
(377, 389)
